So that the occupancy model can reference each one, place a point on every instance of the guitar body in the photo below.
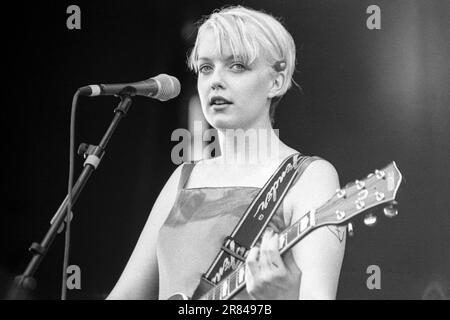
(179, 296)
(201, 289)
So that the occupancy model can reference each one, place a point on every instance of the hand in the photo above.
(267, 275)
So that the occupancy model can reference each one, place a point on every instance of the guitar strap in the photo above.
(255, 219)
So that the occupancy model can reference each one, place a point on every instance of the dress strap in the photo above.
(186, 173)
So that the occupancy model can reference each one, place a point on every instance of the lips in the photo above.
(218, 101)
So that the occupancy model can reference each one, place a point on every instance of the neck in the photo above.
(257, 145)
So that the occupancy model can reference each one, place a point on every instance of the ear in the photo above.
(276, 84)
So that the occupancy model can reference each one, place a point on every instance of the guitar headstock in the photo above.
(377, 189)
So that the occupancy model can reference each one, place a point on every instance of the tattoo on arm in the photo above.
(337, 232)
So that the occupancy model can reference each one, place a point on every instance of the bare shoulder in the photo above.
(163, 204)
(174, 178)
(171, 184)
(316, 185)
(319, 174)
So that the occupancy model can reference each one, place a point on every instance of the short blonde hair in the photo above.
(250, 34)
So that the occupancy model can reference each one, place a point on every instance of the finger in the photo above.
(252, 260)
(269, 254)
(264, 255)
(277, 260)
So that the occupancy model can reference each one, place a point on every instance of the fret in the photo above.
(224, 289)
(241, 274)
(233, 281)
(238, 280)
(312, 217)
(216, 293)
(282, 240)
(228, 282)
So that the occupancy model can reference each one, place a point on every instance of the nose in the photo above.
(217, 79)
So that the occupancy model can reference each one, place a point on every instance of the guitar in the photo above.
(377, 189)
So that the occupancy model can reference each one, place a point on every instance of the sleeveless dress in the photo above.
(194, 231)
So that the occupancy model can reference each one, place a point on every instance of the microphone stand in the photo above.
(25, 282)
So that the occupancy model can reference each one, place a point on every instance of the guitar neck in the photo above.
(235, 282)
(376, 189)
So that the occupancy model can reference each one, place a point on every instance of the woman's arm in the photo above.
(311, 269)
(139, 280)
(320, 254)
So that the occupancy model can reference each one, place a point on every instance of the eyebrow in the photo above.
(229, 58)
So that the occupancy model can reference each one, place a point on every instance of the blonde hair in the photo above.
(251, 34)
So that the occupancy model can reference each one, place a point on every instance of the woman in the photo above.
(245, 60)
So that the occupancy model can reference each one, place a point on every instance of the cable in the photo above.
(69, 192)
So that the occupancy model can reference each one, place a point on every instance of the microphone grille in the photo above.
(169, 87)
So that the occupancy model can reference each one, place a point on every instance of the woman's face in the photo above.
(233, 95)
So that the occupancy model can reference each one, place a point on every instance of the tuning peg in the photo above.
(360, 184)
(360, 204)
(350, 229)
(380, 174)
(390, 211)
(379, 196)
(341, 193)
(370, 220)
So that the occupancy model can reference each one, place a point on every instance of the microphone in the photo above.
(162, 87)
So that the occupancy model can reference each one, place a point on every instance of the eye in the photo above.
(204, 68)
(238, 66)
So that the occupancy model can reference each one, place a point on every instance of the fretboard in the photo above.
(235, 282)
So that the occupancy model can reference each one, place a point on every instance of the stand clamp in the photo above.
(92, 154)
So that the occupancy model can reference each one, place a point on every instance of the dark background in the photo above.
(369, 97)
